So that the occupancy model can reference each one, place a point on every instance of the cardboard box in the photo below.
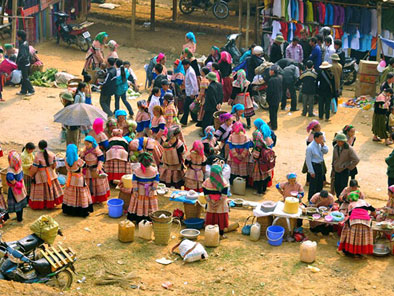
(368, 67)
(368, 78)
(365, 89)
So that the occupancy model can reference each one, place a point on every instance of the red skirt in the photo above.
(217, 219)
(227, 88)
(356, 239)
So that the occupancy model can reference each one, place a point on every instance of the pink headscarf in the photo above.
(312, 125)
(15, 161)
(225, 57)
(238, 127)
(224, 117)
(198, 146)
(98, 125)
(160, 57)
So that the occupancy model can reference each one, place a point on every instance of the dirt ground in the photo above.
(238, 266)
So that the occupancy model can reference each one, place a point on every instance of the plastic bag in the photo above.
(63, 77)
(192, 251)
(16, 76)
(45, 228)
(334, 108)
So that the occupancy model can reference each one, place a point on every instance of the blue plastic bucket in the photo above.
(275, 235)
(115, 207)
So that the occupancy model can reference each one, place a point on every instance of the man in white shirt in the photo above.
(191, 89)
(154, 100)
(329, 49)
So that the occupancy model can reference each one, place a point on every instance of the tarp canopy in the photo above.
(388, 42)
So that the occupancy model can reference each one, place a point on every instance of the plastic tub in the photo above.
(115, 207)
(194, 223)
(275, 235)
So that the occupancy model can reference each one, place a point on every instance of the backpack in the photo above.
(267, 159)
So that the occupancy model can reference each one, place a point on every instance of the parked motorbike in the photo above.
(55, 266)
(219, 7)
(259, 87)
(349, 71)
(232, 48)
(77, 34)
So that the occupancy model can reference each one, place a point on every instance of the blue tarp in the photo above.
(388, 42)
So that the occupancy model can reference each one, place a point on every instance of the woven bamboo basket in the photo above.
(155, 216)
(264, 223)
(3, 173)
(162, 232)
(216, 119)
(282, 222)
(192, 211)
(126, 199)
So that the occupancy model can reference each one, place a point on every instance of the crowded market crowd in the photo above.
(149, 142)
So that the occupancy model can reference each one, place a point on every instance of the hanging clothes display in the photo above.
(374, 22)
(276, 9)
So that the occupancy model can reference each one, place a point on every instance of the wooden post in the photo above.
(174, 10)
(240, 21)
(379, 43)
(133, 12)
(247, 23)
(63, 5)
(84, 10)
(14, 14)
(152, 14)
(256, 23)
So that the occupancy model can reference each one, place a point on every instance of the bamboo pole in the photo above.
(133, 13)
(247, 23)
(240, 21)
(256, 23)
(14, 12)
(152, 14)
(379, 43)
(174, 10)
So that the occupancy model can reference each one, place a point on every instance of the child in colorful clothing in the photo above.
(387, 212)
(209, 141)
(27, 162)
(223, 132)
(144, 144)
(170, 111)
(96, 181)
(46, 191)
(16, 188)
(77, 199)
(144, 199)
(195, 163)
(238, 112)
(238, 158)
(171, 170)
(216, 190)
(158, 123)
(117, 156)
(121, 122)
(143, 119)
(98, 134)
(110, 126)
(240, 95)
(291, 187)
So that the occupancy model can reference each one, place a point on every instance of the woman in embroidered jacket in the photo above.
(195, 163)
(98, 134)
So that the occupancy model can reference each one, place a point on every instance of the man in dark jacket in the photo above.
(274, 95)
(308, 89)
(326, 90)
(251, 63)
(23, 62)
(213, 99)
(290, 75)
(276, 50)
(339, 51)
(108, 87)
(390, 165)
(306, 47)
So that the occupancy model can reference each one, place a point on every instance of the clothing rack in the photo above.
(345, 4)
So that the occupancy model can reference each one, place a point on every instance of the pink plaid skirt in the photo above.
(169, 176)
(99, 189)
(42, 196)
(143, 205)
(116, 169)
(77, 197)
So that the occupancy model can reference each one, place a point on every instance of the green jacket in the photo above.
(390, 163)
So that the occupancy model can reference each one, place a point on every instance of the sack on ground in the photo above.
(192, 251)
(45, 228)
(63, 77)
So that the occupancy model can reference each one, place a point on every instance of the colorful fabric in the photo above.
(263, 127)
(71, 154)
(241, 81)
(15, 161)
(198, 147)
(116, 168)
(120, 113)
(291, 176)
(209, 132)
(356, 239)
(179, 68)
(27, 161)
(100, 37)
(190, 36)
(225, 57)
(224, 117)
(312, 125)
(216, 53)
(216, 177)
(237, 107)
(92, 140)
(43, 196)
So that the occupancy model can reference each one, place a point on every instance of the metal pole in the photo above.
(240, 21)
(152, 15)
(133, 12)
(174, 10)
(14, 12)
(247, 23)
(379, 44)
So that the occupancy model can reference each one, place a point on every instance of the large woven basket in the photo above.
(162, 232)
(126, 199)
(155, 216)
(192, 211)
(264, 223)
(216, 121)
(3, 173)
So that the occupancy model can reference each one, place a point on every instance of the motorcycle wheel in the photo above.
(186, 6)
(64, 279)
(220, 10)
(82, 44)
(261, 100)
(350, 78)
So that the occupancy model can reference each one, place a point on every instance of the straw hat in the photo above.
(335, 57)
(211, 76)
(279, 38)
(325, 65)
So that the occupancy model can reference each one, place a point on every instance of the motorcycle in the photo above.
(349, 71)
(219, 7)
(55, 267)
(232, 48)
(77, 34)
(259, 87)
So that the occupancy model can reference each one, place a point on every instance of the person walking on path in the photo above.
(326, 90)
(314, 162)
(191, 89)
(274, 95)
(276, 50)
(108, 87)
(344, 159)
(23, 62)
(213, 98)
(122, 77)
(308, 89)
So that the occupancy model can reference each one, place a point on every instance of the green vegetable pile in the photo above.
(43, 79)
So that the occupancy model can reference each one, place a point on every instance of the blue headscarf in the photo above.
(237, 107)
(263, 127)
(120, 113)
(127, 138)
(180, 69)
(191, 37)
(209, 132)
(91, 140)
(71, 154)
